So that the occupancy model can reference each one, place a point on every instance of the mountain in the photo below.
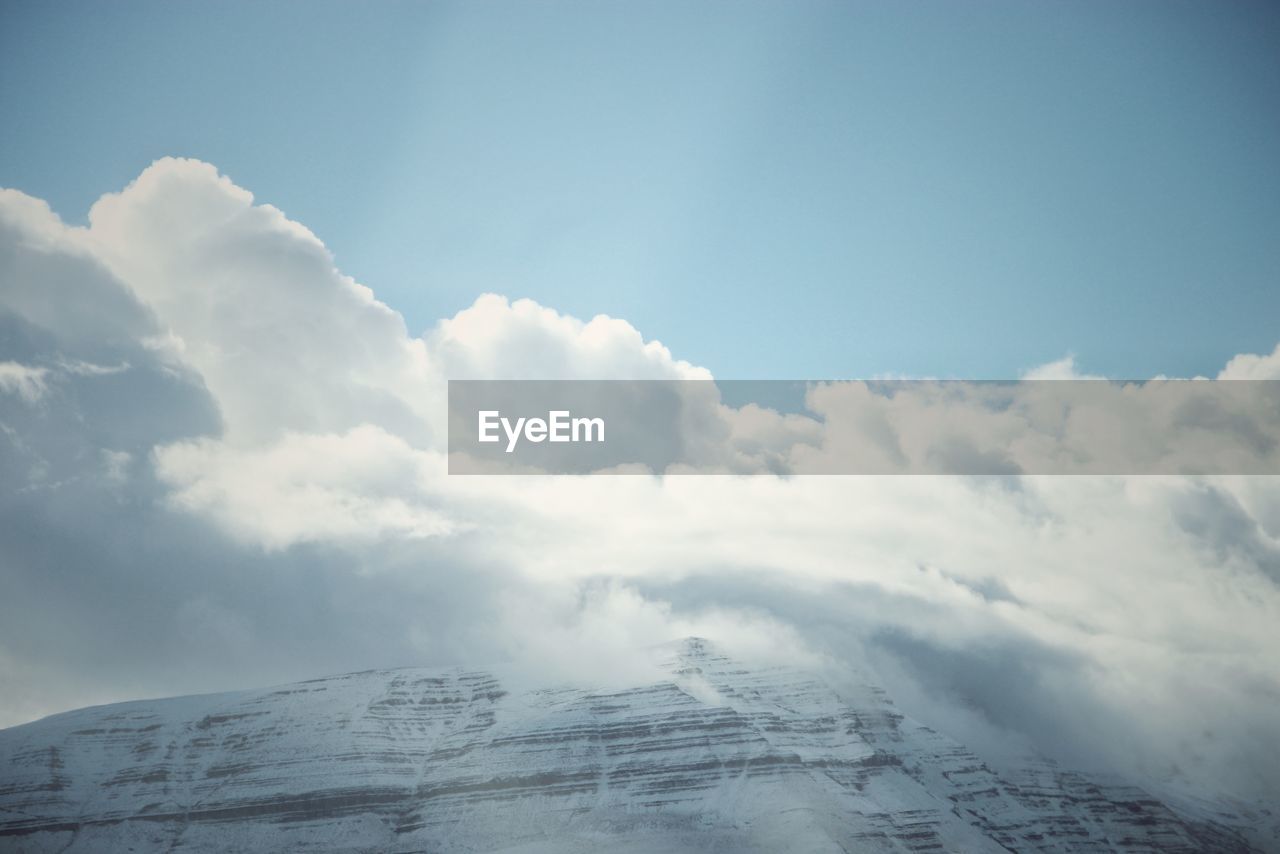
(710, 755)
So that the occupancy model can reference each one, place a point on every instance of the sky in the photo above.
(773, 190)
(242, 248)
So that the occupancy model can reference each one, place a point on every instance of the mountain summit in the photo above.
(713, 755)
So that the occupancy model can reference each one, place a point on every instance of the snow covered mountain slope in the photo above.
(713, 756)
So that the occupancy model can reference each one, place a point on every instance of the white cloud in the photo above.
(283, 340)
(26, 381)
(1062, 369)
(1250, 366)
(499, 339)
(1078, 427)
(356, 487)
(31, 382)
(241, 457)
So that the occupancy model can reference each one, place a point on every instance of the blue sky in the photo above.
(773, 190)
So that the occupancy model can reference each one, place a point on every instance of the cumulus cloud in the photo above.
(283, 340)
(499, 339)
(1251, 366)
(1059, 369)
(360, 486)
(223, 464)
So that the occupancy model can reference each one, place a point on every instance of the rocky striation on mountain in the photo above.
(711, 755)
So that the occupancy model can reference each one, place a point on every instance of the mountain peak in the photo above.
(722, 757)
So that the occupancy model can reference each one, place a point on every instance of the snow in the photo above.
(714, 755)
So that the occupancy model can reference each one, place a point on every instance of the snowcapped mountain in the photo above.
(711, 756)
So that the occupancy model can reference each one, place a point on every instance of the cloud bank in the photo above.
(222, 463)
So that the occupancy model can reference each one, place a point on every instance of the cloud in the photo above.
(499, 339)
(26, 381)
(283, 340)
(1250, 366)
(1062, 369)
(1037, 427)
(85, 367)
(360, 486)
(222, 464)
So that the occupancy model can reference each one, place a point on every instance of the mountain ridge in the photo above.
(711, 755)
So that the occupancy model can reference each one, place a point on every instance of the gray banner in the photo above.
(864, 427)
